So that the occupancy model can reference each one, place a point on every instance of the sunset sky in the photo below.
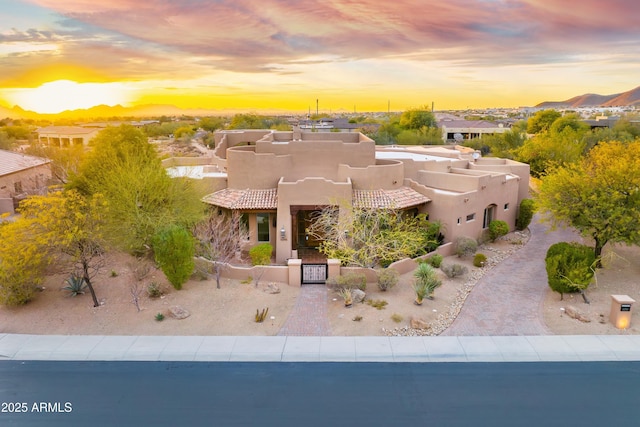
(284, 54)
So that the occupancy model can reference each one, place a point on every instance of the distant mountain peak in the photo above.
(624, 99)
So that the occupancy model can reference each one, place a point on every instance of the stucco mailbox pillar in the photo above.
(333, 267)
(620, 314)
(295, 272)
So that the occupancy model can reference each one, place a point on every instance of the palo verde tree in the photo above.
(23, 259)
(70, 228)
(599, 195)
(142, 198)
(371, 237)
(218, 239)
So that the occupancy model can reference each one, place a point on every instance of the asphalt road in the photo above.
(70, 394)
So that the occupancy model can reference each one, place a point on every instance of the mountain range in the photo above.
(624, 99)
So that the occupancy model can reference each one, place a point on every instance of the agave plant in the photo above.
(75, 285)
(426, 282)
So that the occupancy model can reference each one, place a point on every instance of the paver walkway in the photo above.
(309, 314)
(508, 300)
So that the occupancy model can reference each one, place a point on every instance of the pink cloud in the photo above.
(249, 35)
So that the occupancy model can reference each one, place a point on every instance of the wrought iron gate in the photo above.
(314, 274)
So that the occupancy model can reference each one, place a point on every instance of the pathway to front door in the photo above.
(309, 314)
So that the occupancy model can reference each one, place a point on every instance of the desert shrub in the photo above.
(465, 246)
(525, 213)
(345, 294)
(387, 278)
(498, 228)
(174, 248)
(453, 270)
(261, 254)
(379, 304)
(426, 282)
(350, 280)
(569, 267)
(397, 317)
(435, 260)
(479, 260)
(154, 290)
(159, 317)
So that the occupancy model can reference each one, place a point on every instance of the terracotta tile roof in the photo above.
(244, 199)
(11, 162)
(401, 198)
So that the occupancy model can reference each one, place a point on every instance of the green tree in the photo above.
(22, 262)
(70, 228)
(174, 249)
(599, 195)
(184, 132)
(542, 120)
(211, 124)
(548, 149)
(142, 198)
(417, 118)
(570, 268)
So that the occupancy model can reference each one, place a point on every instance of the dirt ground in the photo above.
(620, 275)
(231, 309)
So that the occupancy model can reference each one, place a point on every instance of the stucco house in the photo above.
(64, 136)
(21, 175)
(469, 129)
(277, 180)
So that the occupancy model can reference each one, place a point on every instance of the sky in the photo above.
(299, 55)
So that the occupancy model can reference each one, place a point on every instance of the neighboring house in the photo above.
(64, 136)
(21, 175)
(469, 129)
(278, 180)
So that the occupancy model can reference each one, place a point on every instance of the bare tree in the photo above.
(219, 238)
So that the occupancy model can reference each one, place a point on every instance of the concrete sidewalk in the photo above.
(322, 349)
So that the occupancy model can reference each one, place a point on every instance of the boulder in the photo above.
(357, 295)
(418, 323)
(272, 288)
(178, 312)
(574, 313)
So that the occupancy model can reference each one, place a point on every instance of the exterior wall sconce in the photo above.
(283, 233)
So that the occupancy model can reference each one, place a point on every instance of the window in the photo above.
(263, 227)
(18, 186)
(459, 221)
(506, 206)
(471, 217)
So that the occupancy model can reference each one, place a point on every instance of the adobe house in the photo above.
(21, 175)
(277, 180)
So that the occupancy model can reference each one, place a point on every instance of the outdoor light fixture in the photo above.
(283, 233)
(620, 314)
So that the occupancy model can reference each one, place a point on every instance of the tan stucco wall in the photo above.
(33, 180)
(312, 169)
(385, 174)
(307, 192)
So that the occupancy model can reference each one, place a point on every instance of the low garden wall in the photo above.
(290, 273)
